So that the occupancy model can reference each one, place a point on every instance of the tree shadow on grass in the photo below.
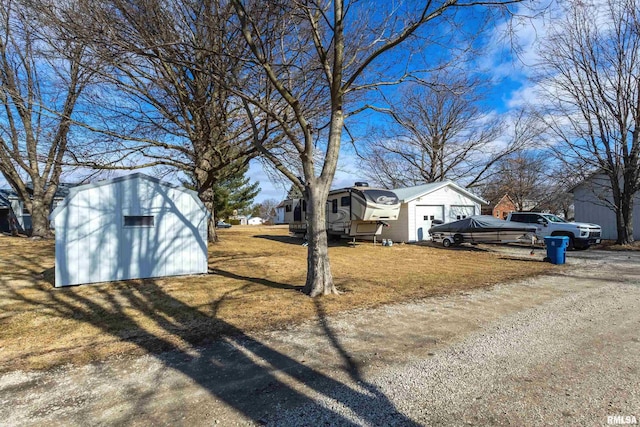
(256, 280)
(237, 369)
(332, 241)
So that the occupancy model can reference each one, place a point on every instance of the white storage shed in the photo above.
(130, 227)
(443, 201)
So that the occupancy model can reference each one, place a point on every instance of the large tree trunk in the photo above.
(40, 218)
(206, 196)
(624, 218)
(319, 278)
(207, 199)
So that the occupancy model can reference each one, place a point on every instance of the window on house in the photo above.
(345, 201)
(287, 208)
(139, 221)
(334, 206)
(304, 206)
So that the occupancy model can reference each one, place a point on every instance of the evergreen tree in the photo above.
(234, 193)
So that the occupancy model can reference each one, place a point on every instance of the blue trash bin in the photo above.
(556, 248)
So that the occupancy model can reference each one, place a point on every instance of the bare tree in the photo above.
(41, 80)
(522, 176)
(267, 209)
(320, 54)
(592, 64)
(165, 99)
(437, 131)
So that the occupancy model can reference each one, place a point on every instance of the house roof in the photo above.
(4, 201)
(587, 179)
(75, 190)
(410, 193)
(61, 191)
(507, 197)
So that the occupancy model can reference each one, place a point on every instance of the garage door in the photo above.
(425, 215)
(457, 212)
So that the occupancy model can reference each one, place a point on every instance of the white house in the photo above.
(255, 220)
(421, 205)
(593, 201)
(130, 227)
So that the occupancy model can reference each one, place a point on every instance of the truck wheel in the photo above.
(446, 242)
(457, 239)
(580, 246)
(571, 245)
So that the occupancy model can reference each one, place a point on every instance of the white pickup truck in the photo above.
(581, 235)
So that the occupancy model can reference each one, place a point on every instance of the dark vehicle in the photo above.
(482, 229)
(222, 224)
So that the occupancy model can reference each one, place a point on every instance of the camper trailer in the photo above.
(351, 212)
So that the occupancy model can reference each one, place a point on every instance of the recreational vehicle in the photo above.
(350, 212)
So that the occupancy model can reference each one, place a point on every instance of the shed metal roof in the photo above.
(75, 190)
(410, 193)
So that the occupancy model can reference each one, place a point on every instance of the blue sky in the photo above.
(511, 88)
(508, 73)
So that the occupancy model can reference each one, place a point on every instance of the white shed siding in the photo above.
(93, 245)
(589, 207)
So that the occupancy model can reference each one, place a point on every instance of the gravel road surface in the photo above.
(561, 349)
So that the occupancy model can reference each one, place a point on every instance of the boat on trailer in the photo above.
(356, 211)
(482, 229)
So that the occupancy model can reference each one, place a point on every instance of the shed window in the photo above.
(345, 201)
(287, 208)
(139, 221)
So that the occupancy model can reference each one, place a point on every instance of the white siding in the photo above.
(590, 203)
(423, 217)
(93, 245)
(458, 212)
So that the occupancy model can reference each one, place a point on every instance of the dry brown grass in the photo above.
(255, 281)
(610, 245)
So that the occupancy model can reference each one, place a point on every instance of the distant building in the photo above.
(14, 213)
(593, 203)
(255, 220)
(501, 209)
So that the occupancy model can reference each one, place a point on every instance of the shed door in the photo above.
(457, 212)
(425, 215)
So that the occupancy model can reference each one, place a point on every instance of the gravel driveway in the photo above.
(561, 349)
